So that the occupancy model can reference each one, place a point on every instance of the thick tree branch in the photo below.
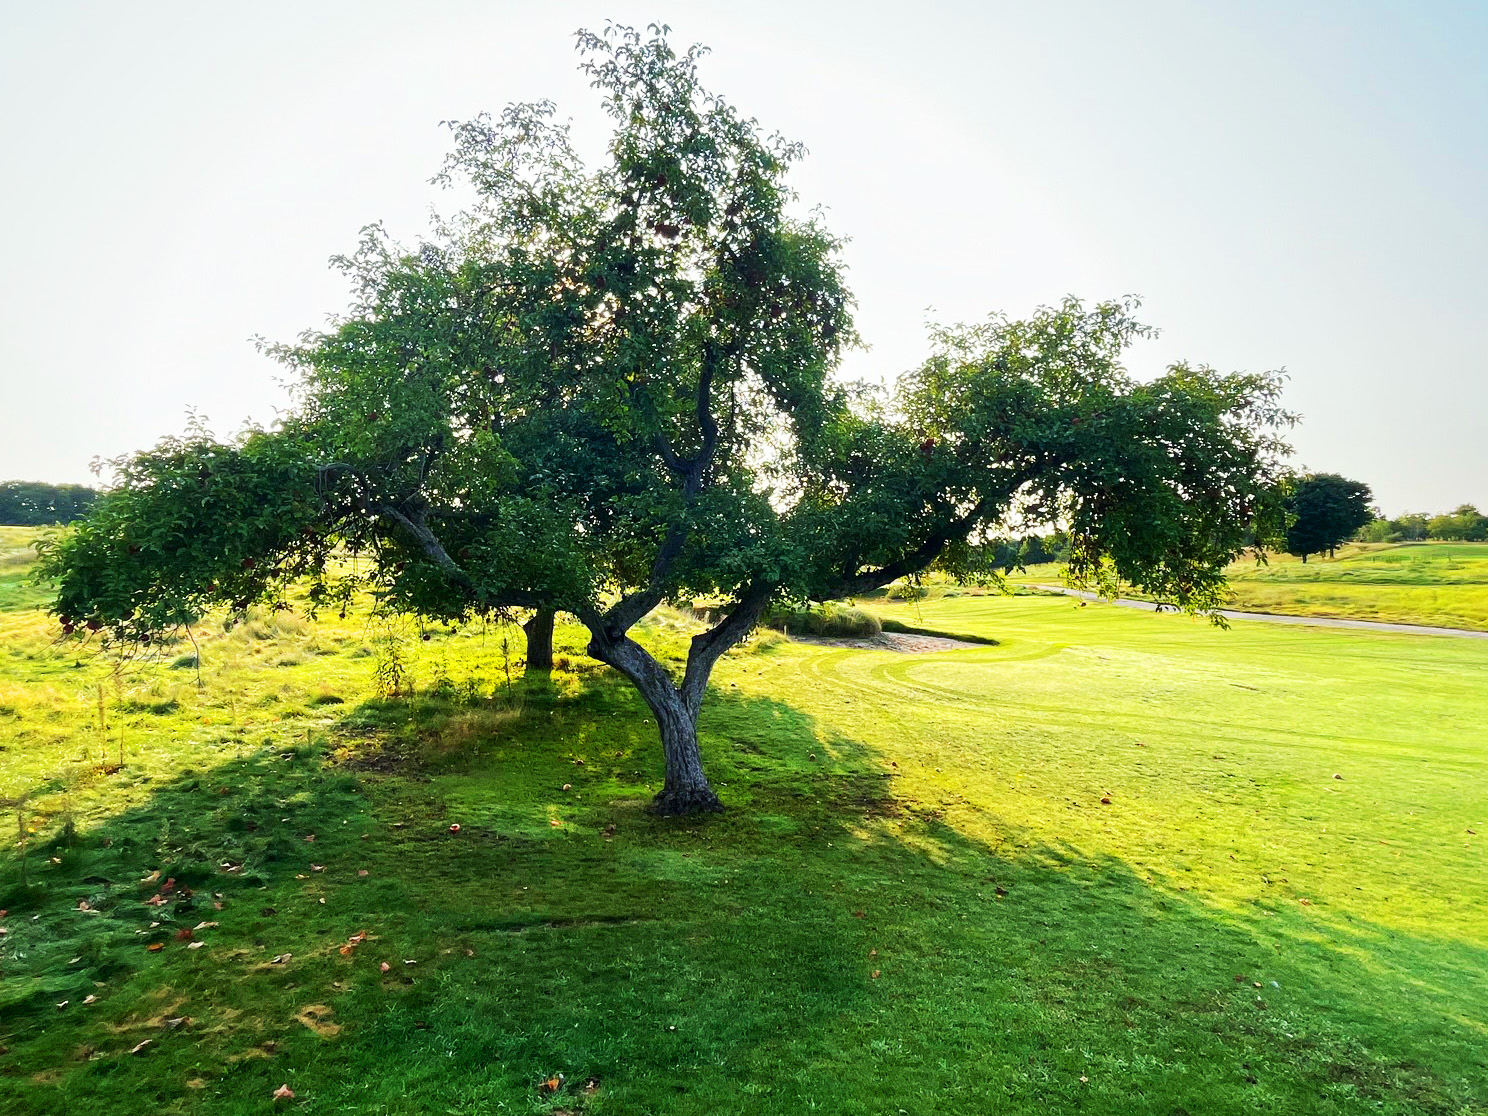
(709, 646)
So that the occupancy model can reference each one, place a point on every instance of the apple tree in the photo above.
(598, 388)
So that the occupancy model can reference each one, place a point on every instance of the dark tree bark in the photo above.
(686, 789)
(539, 632)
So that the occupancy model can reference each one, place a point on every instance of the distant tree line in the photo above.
(34, 504)
(1464, 524)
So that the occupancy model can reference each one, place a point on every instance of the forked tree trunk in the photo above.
(676, 707)
(686, 790)
(539, 631)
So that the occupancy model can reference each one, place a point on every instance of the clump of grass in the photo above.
(830, 620)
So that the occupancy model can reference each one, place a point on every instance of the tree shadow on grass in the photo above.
(830, 943)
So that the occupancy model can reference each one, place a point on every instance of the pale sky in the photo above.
(1286, 184)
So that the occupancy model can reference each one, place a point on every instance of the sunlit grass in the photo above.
(917, 901)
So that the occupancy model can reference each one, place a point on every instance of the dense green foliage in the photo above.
(595, 390)
(1326, 510)
(1465, 524)
(922, 902)
(34, 504)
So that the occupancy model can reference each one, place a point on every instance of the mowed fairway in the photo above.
(917, 902)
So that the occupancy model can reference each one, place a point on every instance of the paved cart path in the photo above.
(1277, 618)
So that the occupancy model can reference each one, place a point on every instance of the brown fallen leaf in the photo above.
(90, 999)
(554, 821)
(178, 1022)
(568, 786)
(455, 828)
(385, 967)
(279, 959)
(874, 974)
(284, 1092)
(155, 947)
(310, 837)
(151, 878)
(184, 935)
(553, 1084)
(1305, 902)
(195, 945)
(362, 872)
(204, 925)
(84, 905)
(317, 867)
(141, 1046)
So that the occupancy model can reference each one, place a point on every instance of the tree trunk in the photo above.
(686, 790)
(676, 707)
(539, 632)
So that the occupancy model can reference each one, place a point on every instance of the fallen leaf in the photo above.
(455, 828)
(84, 905)
(385, 967)
(317, 867)
(321, 899)
(155, 947)
(309, 836)
(874, 974)
(554, 821)
(183, 935)
(1106, 800)
(406, 961)
(873, 953)
(1305, 902)
(63, 1004)
(362, 872)
(141, 1046)
(91, 999)
(151, 878)
(204, 925)
(195, 945)
(553, 1084)
(178, 1021)
(860, 914)
(284, 1092)
(568, 786)
(279, 959)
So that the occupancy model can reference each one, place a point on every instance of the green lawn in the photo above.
(917, 902)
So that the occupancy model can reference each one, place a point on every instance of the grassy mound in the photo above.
(831, 620)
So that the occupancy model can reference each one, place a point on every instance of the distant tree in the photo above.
(602, 389)
(1328, 510)
(34, 504)
(1465, 524)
